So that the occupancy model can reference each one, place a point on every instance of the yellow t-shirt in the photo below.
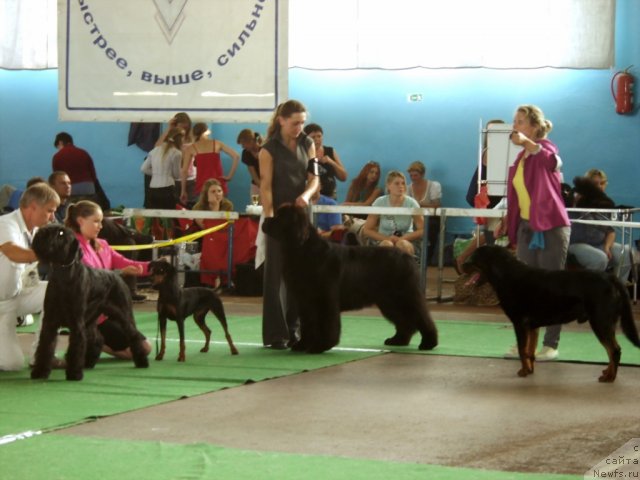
(524, 200)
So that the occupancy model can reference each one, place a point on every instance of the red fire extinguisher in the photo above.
(624, 94)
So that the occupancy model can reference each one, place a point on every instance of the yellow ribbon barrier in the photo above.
(186, 238)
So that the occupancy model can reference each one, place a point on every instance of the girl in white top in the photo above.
(428, 193)
(398, 231)
(163, 164)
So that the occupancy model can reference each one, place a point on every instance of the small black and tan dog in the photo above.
(175, 303)
(327, 278)
(76, 296)
(533, 297)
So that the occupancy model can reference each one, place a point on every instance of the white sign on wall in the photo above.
(144, 60)
(501, 154)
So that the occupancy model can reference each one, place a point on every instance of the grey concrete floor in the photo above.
(467, 412)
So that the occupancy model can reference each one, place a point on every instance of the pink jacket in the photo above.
(542, 178)
(107, 258)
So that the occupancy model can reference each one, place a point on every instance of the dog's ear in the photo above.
(74, 252)
(590, 196)
(267, 224)
(303, 225)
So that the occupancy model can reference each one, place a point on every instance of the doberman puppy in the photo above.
(76, 296)
(177, 303)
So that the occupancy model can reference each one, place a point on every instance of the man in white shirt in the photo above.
(21, 294)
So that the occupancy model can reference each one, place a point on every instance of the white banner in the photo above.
(145, 60)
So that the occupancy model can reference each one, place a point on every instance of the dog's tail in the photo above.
(626, 315)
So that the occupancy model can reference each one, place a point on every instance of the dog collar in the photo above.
(65, 265)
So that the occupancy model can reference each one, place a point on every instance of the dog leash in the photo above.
(187, 238)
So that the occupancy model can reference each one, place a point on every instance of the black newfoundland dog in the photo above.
(533, 297)
(327, 278)
(76, 295)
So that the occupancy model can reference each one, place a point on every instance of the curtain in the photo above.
(28, 34)
(451, 34)
(341, 34)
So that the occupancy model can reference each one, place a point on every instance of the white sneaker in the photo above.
(546, 354)
(25, 320)
(512, 352)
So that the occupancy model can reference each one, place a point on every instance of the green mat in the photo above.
(30, 407)
(70, 457)
(114, 386)
(470, 338)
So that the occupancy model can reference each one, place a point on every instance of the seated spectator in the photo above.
(364, 188)
(61, 183)
(428, 193)
(212, 199)
(85, 219)
(251, 143)
(14, 199)
(332, 167)
(329, 225)
(78, 164)
(462, 250)
(594, 246)
(400, 231)
(472, 191)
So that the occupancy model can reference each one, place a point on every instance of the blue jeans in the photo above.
(594, 258)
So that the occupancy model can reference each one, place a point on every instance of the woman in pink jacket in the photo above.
(537, 220)
(85, 219)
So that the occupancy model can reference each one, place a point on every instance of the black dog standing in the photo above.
(177, 303)
(533, 297)
(76, 296)
(327, 278)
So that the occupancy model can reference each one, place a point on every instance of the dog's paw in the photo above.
(427, 345)
(607, 376)
(204, 349)
(397, 341)
(299, 347)
(142, 362)
(181, 358)
(40, 373)
(523, 372)
(74, 375)
(160, 356)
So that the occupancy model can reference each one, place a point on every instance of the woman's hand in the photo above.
(301, 201)
(501, 229)
(226, 178)
(518, 138)
(131, 270)
(183, 198)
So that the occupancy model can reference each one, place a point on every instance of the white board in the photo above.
(501, 153)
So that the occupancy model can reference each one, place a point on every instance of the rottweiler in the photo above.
(533, 297)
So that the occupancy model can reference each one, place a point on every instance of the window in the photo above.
(394, 34)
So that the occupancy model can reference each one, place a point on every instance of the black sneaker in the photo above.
(136, 297)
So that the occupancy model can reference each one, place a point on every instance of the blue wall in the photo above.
(366, 116)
